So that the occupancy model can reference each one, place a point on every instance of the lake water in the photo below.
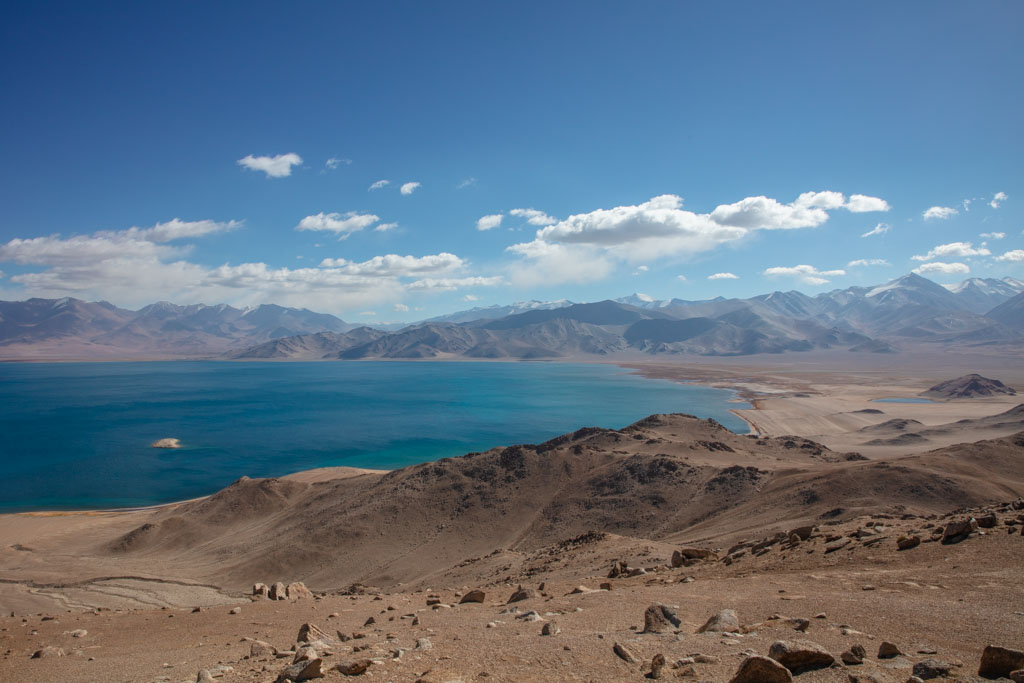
(77, 435)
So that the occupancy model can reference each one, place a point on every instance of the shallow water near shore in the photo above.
(78, 435)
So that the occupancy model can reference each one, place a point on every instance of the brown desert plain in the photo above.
(843, 539)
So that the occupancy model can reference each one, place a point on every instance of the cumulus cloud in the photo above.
(942, 268)
(589, 245)
(409, 188)
(533, 216)
(470, 297)
(393, 265)
(489, 222)
(681, 278)
(939, 213)
(723, 276)
(343, 224)
(400, 308)
(868, 262)
(449, 284)
(805, 273)
(954, 249)
(137, 266)
(879, 229)
(860, 203)
(279, 166)
(997, 199)
(993, 235)
(379, 184)
(1013, 256)
(385, 227)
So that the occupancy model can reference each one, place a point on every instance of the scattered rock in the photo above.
(888, 650)
(278, 592)
(725, 621)
(687, 556)
(297, 591)
(657, 664)
(580, 589)
(204, 676)
(354, 668)
(855, 655)
(260, 590)
(235, 610)
(800, 655)
(521, 594)
(259, 648)
(1000, 661)
(424, 644)
(908, 542)
(310, 632)
(79, 633)
(302, 671)
(305, 654)
(1017, 676)
(550, 629)
(836, 545)
(47, 652)
(931, 668)
(958, 530)
(624, 654)
(473, 596)
(659, 618)
(758, 669)
(988, 521)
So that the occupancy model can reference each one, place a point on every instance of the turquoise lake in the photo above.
(78, 435)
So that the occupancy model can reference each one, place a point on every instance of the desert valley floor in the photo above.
(840, 521)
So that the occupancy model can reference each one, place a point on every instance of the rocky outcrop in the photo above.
(800, 655)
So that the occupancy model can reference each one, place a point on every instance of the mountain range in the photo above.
(905, 311)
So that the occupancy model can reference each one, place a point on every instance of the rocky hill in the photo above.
(969, 386)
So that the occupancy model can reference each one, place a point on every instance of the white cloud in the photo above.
(369, 314)
(997, 199)
(723, 276)
(470, 297)
(587, 246)
(379, 184)
(942, 268)
(450, 284)
(550, 263)
(342, 224)
(400, 308)
(489, 222)
(967, 205)
(533, 216)
(393, 265)
(879, 229)
(993, 235)
(808, 274)
(385, 227)
(409, 188)
(939, 212)
(868, 262)
(1013, 256)
(640, 269)
(279, 166)
(860, 203)
(335, 162)
(468, 182)
(681, 278)
(954, 249)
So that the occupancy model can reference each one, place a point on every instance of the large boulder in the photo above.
(725, 621)
(278, 592)
(297, 591)
(800, 655)
(659, 618)
(521, 594)
(1000, 661)
(473, 596)
(927, 669)
(958, 530)
(260, 590)
(758, 669)
(302, 671)
(688, 556)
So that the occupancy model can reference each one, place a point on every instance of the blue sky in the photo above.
(152, 150)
